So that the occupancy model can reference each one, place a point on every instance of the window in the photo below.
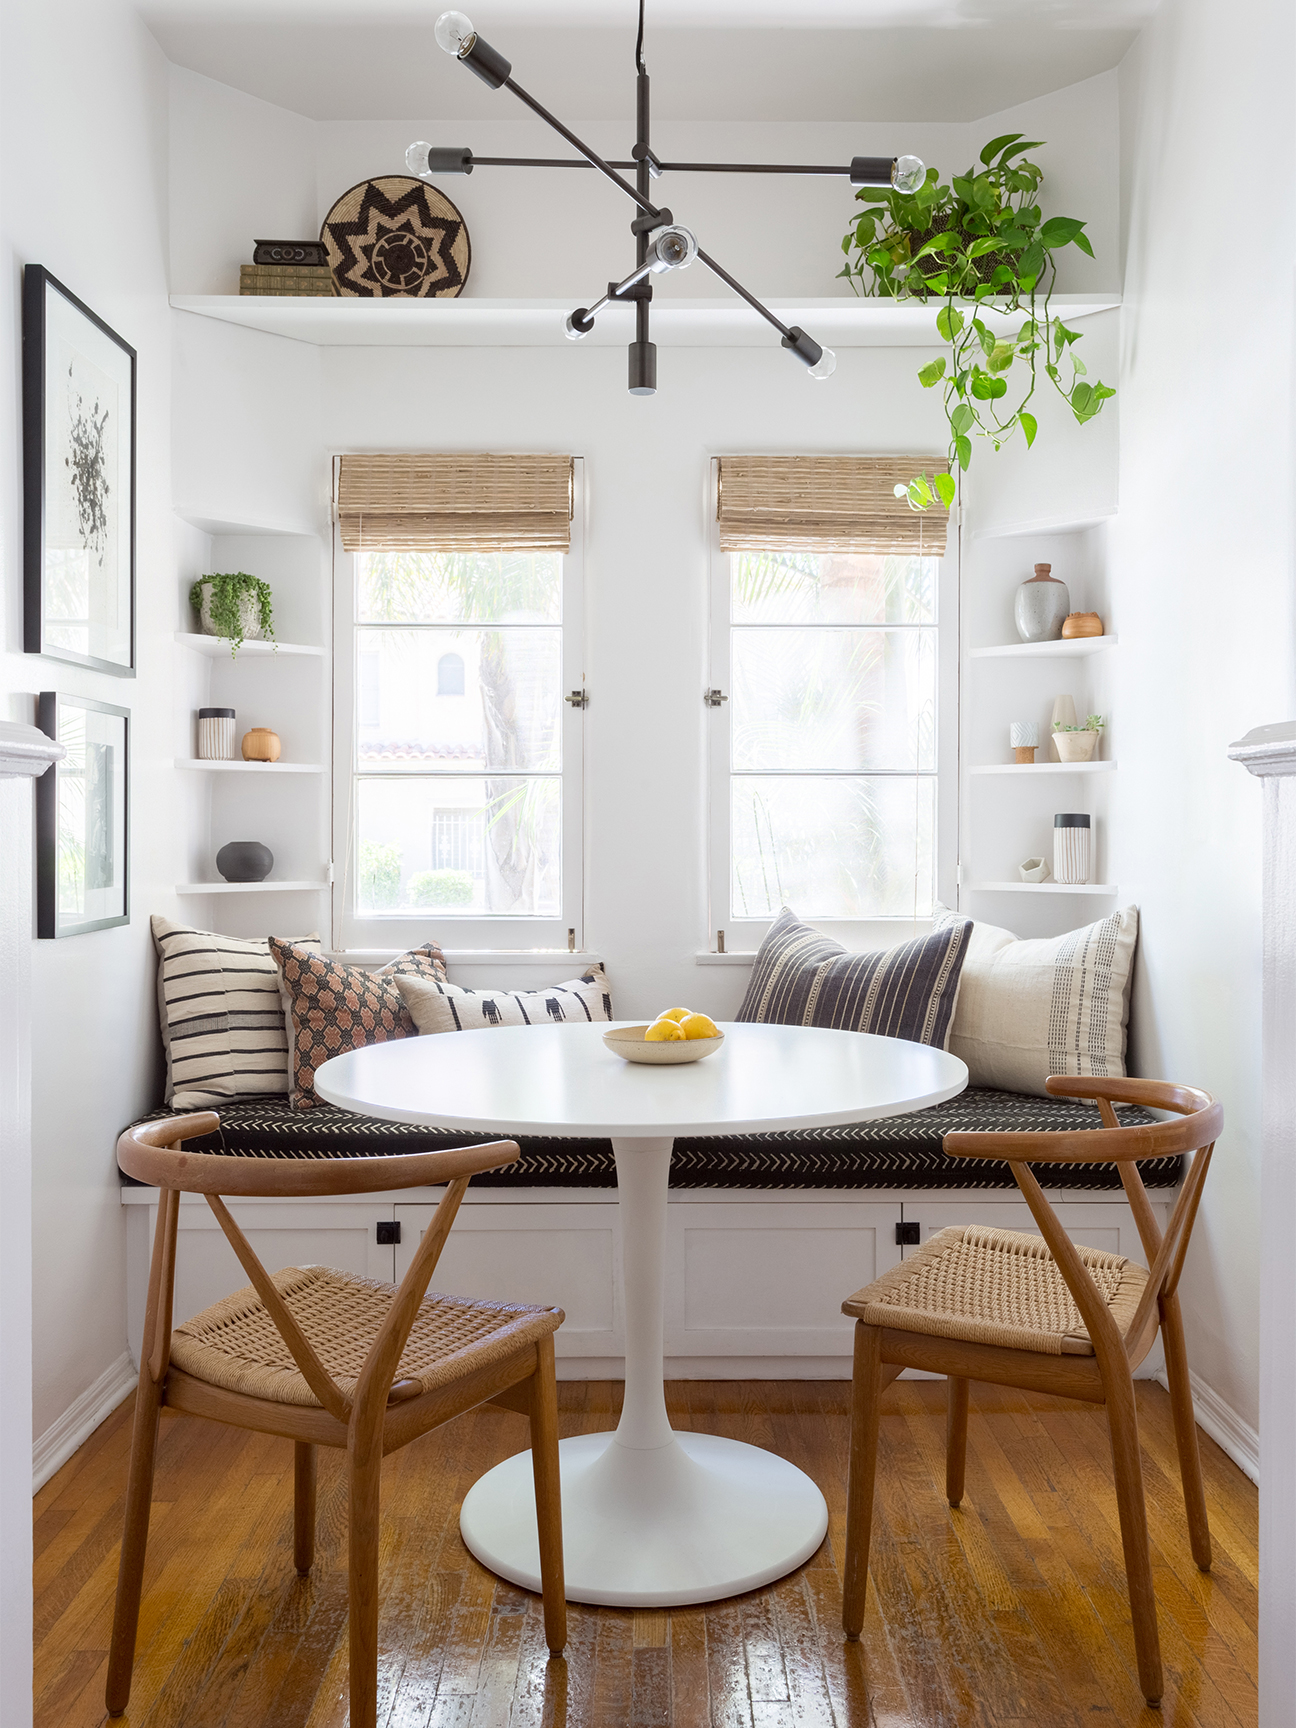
(461, 815)
(826, 755)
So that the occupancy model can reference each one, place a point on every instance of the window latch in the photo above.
(713, 698)
(577, 699)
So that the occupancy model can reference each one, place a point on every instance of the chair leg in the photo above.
(1122, 1420)
(1185, 1427)
(866, 1391)
(956, 1415)
(544, 1463)
(130, 1570)
(303, 1506)
(365, 1477)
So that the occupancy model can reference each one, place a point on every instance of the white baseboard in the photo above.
(1225, 1427)
(79, 1421)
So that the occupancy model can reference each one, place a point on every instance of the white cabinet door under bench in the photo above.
(755, 1278)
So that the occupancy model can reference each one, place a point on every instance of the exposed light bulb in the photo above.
(907, 175)
(573, 329)
(416, 158)
(454, 33)
(671, 249)
(825, 365)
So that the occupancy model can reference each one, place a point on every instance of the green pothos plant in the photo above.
(229, 589)
(979, 244)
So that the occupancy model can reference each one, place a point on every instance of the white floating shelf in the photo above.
(1045, 887)
(1062, 649)
(1039, 525)
(843, 321)
(215, 522)
(249, 767)
(218, 648)
(1020, 768)
(269, 887)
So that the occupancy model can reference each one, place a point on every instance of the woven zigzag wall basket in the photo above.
(397, 236)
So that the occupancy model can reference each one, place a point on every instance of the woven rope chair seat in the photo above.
(996, 1287)
(235, 1344)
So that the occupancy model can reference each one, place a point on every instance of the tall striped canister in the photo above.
(1071, 848)
(216, 734)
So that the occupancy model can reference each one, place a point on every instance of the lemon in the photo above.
(675, 1014)
(699, 1026)
(663, 1032)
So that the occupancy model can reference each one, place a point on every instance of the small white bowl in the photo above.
(629, 1042)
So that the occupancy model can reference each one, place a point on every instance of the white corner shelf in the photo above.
(1020, 768)
(1039, 525)
(249, 767)
(216, 522)
(843, 320)
(1044, 887)
(267, 887)
(1062, 649)
(218, 648)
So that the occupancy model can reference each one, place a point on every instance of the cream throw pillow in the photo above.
(1030, 1008)
(439, 1007)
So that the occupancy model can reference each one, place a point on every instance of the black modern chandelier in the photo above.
(661, 244)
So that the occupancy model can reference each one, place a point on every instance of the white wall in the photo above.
(1202, 595)
(84, 150)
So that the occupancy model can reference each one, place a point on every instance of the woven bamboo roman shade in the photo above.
(455, 503)
(826, 504)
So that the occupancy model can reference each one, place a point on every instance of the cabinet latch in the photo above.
(713, 698)
(907, 1235)
(388, 1234)
(578, 699)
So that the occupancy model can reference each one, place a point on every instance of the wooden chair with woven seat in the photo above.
(1038, 1313)
(329, 1359)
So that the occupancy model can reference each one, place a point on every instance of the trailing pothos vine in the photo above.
(980, 244)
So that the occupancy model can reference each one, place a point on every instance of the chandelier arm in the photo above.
(595, 161)
(752, 301)
(673, 167)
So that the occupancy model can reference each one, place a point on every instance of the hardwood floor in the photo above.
(1009, 1613)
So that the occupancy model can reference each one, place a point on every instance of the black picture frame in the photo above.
(83, 818)
(78, 512)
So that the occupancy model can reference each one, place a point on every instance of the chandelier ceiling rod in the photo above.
(659, 244)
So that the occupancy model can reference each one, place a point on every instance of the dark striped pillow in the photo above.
(800, 978)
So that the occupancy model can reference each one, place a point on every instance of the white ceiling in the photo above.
(709, 59)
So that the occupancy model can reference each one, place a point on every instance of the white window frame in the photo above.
(378, 934)
(743, 935)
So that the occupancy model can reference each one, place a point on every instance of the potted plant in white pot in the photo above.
(234, 605)
(1079, 743)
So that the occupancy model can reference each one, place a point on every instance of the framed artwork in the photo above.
(78, 482)
(83, 818)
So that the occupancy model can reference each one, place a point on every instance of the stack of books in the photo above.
(286, 279)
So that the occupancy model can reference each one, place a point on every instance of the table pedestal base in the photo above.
(692, 1521)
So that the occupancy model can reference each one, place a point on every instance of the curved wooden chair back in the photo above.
(153, 1153)
(1197, 1121)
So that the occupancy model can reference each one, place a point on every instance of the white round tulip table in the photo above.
(652, 1518)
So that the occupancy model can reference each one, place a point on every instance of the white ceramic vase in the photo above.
(1076, 746)
(249, 615)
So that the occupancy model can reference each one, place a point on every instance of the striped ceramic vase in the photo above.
(1071, 833)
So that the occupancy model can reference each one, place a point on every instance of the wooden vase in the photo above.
(261, 745)
(1081, 624)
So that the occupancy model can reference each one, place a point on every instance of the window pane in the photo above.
(832, 588)
(459, 587)
(816, 699)
(833, 848)
(458, 844)
(456, 699)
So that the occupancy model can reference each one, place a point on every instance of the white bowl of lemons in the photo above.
(678, 1035)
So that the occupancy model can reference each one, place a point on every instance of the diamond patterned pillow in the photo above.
(333, 1007)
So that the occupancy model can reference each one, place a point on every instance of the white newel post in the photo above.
(25, 753)
(1270, 753)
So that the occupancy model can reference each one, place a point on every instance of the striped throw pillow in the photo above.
(800, 978)
(1057, 1005)
(221, 1016)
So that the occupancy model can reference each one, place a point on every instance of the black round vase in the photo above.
(245, 861)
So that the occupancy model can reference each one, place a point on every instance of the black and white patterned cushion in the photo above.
(893, 1152)
(802, 978)
(437, 1006)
